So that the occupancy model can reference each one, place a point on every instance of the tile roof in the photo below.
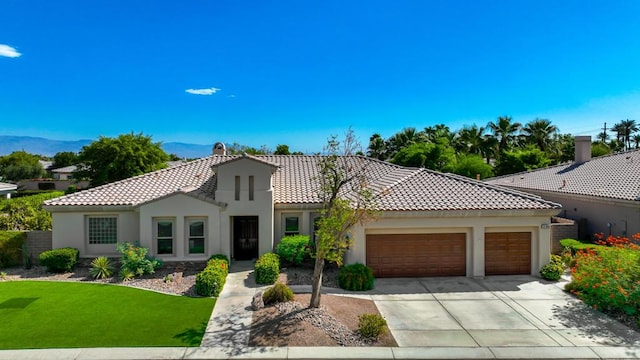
(7, 186)
(396, 187)
(614, 176)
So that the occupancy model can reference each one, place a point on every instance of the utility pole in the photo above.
(605, 132)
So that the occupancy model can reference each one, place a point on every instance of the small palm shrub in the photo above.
(210, 281)
(553, 270)
(135, 258)
(60, 260)
(220, 257)
(267, 269)
(371, 326)
(126, 274)
(101, 268)
(293, 249)
(356, 277)
(277, 293)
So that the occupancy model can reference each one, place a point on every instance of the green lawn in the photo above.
(40, 314)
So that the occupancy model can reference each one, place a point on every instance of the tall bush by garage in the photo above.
(60, 260)
(293, 249)
(210, 281)
(267, 269)
(10, 247)
(356, 277)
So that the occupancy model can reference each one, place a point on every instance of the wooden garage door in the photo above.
(507, 253)
(404, 255)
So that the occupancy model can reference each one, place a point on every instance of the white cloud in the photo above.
(8, 51)
(208, 91)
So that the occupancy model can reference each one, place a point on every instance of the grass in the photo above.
(41, 314)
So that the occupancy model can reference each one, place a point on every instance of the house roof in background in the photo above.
(397, 188)
(614, 176)
(65, 170)
(6, 187)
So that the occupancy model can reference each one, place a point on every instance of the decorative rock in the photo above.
(257, 303)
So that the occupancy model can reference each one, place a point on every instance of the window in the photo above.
(196, 236)
(291, 226)
(164, 236)
(237, 188)
(102, 230)
(250, 187)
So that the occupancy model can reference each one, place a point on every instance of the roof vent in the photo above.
(583, 148)
(219, 149)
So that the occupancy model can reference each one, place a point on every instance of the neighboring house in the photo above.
(430, 223)
(602, 194)
(64, 173)
(6, 190)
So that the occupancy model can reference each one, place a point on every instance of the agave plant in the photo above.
(101, 268)
(126, 274)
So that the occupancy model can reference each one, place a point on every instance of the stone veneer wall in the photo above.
(38, 242)
(562, 228)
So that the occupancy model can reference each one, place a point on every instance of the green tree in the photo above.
(626, 128)
(339, 173)
(110, 159)
(470, 165)
(599, 149)
(20, 165)
(282, 149)
(539, 132)
(434, 156)
(511, 162)
(470, 140)
(505, 132)
(64, 158)
(377, 147)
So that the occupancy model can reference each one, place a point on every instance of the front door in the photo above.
(245, 237)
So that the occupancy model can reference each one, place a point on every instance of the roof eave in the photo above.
(88, 208)
(470, 213)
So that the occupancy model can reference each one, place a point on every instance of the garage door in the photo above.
(404, 255)
(507, 253)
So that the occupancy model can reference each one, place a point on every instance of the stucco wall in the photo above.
(474, 227)
(180, 208)
(562, 229)
(38, 242)
(623, 217)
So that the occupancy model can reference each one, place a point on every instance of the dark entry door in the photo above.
(245, 237)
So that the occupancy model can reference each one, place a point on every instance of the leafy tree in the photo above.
(511, 162)
(26, 213)
(110, 159)
(377, 147)
(470, 165)
(406, 137)
(64, 158)
(20, 165)
(505, 132)
(438, 133)
(237, 149)
(339, 174)
(599, 149)
(434, 156)
(470, 140)
(282, 149)
(539, 132)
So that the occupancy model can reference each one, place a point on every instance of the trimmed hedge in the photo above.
(277, 293)
(293, 249)
(267, 269)
(60, 260)
(219, 257)
(210, 281)
(11, 248)
(575, 245)
(356, 277)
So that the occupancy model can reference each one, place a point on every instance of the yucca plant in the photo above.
(101, 268)
(126, 274)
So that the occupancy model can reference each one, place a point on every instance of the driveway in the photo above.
(492, 312)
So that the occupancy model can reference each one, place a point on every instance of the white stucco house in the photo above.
(430, 223)
(602, 194)
(6, 189)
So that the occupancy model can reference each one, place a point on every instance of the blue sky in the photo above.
(296, 72)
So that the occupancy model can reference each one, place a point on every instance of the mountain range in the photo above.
(48, 147)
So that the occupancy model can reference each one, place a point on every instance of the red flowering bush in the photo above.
(610, 278)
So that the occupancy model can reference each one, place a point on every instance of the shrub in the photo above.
(210, 281)
(135, 259)
(10, 244)
(101, 268)
(219, 257)
(575, 245)
(277, 293)
(60, 260)
(553, 270)
(371, 325)
(293, 249)
(267, 269)
(356, 277)
(126, 274)
(26, 212)
(27, 260)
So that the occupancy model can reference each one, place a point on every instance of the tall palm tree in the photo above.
(377, 148)
(539, 132)
(636, 140)
(403, 139)
(505, 131)
(470, 139)
(627, 128)
(438, 132)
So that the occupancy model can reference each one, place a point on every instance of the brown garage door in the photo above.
(403, 255)
(507, 253)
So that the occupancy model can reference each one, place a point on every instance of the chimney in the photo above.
(219, 149)
(583, 148)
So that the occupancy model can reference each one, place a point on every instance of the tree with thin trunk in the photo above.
(505, 132)
(346, 202)
(539, 132)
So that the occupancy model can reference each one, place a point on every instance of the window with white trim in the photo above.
(164, 230)
(196, 236)
(291, 225)
(102, 229)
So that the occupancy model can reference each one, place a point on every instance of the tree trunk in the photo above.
(317, 283)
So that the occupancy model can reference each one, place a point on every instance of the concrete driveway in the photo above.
(493, 312)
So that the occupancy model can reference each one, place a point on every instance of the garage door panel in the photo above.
(407, 255)
(507, 253)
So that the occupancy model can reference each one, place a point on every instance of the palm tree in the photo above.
(603, 136)
(505, 131)
(627, 128)
(377, 147)
(438, 132)
(636, 140)
(403, 139)
(539, 132)
(470, 139)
